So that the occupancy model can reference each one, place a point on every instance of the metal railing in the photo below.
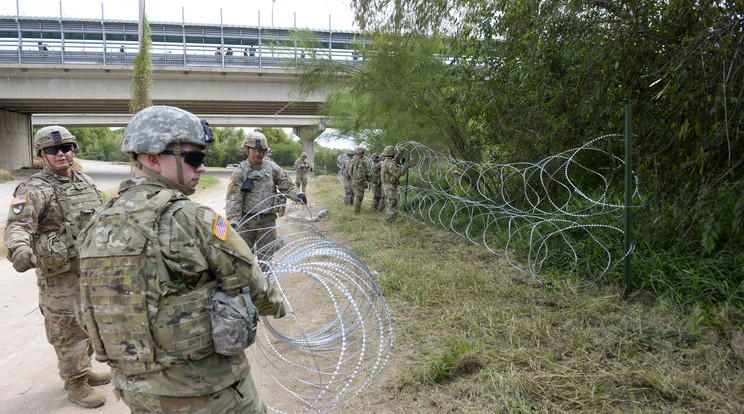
(112, 42)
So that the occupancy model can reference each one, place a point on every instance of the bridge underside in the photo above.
(61, 105)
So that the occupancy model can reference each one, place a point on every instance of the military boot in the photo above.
(80, 393)
(95, 379)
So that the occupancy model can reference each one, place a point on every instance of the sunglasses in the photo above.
(192, 158)
(65, 148)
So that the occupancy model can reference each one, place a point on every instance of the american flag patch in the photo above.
(18, 200)
(229, 183)
(220, 227)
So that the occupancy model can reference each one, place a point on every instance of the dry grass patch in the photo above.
(475, 335)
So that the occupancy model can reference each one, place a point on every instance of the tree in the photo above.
(140, 88)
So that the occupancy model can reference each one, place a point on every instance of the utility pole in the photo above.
(272, 12)
(141, 28)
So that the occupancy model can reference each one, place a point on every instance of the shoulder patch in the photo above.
(19, 200)
(221, 226)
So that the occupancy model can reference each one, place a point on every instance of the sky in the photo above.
(311, 14)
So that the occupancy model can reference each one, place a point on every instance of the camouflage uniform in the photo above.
(150, 260)
(346, 173)
(301, 168)
(252, 212)
(390, 172)
(359, 179)
(47, 214)
(183, 261)
(377, 203)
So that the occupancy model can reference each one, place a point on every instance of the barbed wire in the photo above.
(337, 335)
(558, 217)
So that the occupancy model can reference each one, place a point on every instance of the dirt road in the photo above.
(28, 365)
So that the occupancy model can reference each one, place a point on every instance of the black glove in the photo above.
(302, 199)
(247, 185)
(311, 169)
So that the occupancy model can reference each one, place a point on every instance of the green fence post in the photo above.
(628, 197)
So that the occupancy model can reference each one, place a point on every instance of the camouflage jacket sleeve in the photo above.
(284, 184)
(347, 169)
(234, 198)
(297, 163)
(196, 244)
(376, 172)
(28, 213)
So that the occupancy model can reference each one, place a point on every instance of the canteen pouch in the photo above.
(233, 323)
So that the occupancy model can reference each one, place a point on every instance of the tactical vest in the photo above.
(261, 197)
(385, 175)
(376, 172)
(136, 323)
(358, 170)
(55, 249)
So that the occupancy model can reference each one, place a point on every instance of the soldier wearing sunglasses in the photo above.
(153, 262)
(48, 212)
(255, 196)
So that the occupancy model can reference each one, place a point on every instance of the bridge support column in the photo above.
(307, 136)
(16, 140)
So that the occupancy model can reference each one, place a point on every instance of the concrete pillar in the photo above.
(16, 140)
(307, 136)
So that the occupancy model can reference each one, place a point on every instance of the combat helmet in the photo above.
(389, 151)
(359, 150)
(255, 139)
(304, 154)
(152, 129)
(350, 153)
(373, 156)
(51, 136)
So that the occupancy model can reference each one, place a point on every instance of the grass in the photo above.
(475, 335)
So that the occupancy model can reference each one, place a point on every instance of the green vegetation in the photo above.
(472, 334)
(141, 86)
(517, 81)
(206, 181)
(103, 144)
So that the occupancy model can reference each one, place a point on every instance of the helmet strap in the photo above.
(52, 167)
(156, 175)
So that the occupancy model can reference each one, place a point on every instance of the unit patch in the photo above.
(18, 204)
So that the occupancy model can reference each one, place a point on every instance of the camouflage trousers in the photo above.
(358, 187)
(348, 192)
(377, 203)
(391, 201)
(59, 302)
(301, 181)
(260, 234)
(241, 397)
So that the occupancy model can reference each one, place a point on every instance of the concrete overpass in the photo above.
(65, 71)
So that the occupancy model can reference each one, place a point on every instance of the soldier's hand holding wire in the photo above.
(23, 259)
(302, 199)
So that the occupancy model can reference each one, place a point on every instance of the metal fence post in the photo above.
(628, 198)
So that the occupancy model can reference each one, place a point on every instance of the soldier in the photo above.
(376, 183)
(359, 178)
(156, 266)
(268, 154)
(253, 199)
(390, 172)
(46, 216)
(301, 168)
(346, 173)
